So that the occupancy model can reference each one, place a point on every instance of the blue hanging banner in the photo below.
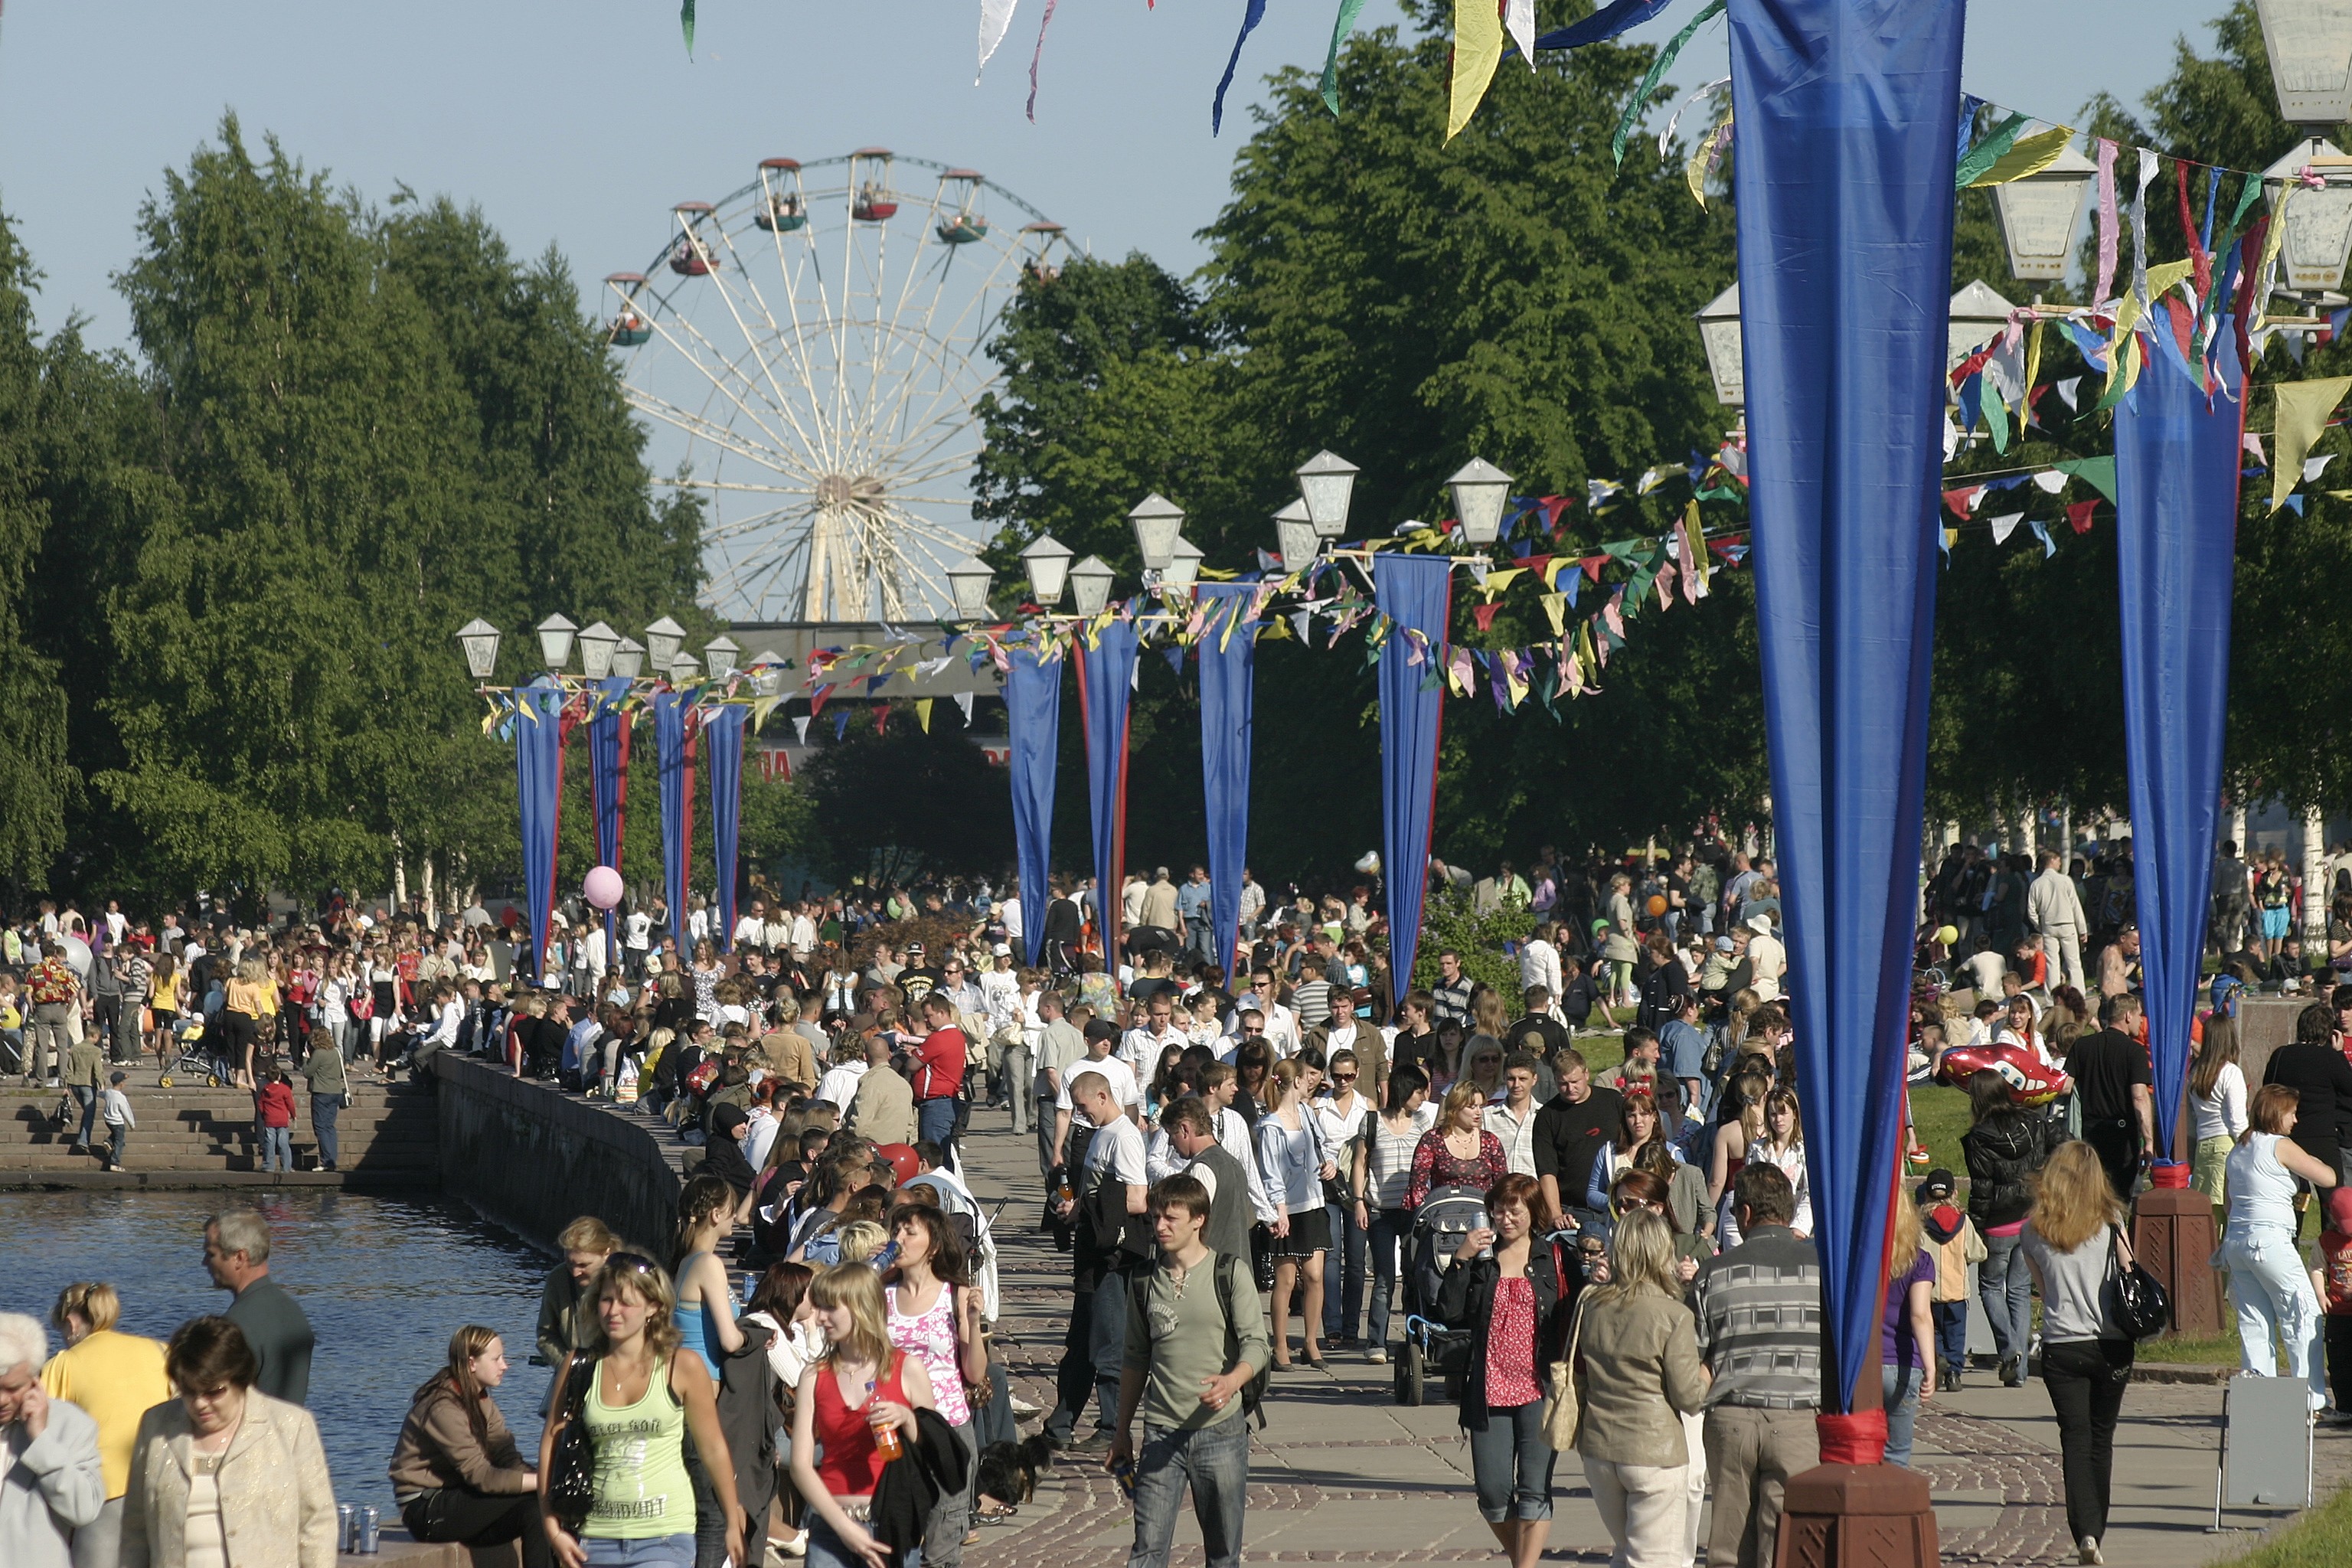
(1844, 183)
(673, 726)
(1228, 648)
(1033, 711)
(539, 732)
(608, 785)
(1415, 593)
(2176, 539)
(724, 725)
(1105, 676)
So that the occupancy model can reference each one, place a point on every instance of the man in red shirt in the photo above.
(937, 1071)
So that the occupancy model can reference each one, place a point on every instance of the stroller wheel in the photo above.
(1410, 1369)
(212, 1080)
(164, 1082)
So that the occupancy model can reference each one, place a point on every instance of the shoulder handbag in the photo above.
(2141, 1307)
(1562, 1411)
(572, 1476)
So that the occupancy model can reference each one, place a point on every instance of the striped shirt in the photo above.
(1760, 1322)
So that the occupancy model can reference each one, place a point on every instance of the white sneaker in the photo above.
(1378, 1355)
(2087, 1549)
(1022, 1409)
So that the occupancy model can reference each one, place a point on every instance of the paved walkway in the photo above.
(1343, 1474)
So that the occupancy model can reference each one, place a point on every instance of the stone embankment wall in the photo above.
(534, 1158)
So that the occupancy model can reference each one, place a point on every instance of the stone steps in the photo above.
(194, 1128)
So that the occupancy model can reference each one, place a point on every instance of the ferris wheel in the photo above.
(807, 353)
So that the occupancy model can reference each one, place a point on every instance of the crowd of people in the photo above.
(1616, 1262)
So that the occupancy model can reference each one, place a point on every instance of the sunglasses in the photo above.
(1343, 1078)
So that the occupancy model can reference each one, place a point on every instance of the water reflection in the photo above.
(383, 1280)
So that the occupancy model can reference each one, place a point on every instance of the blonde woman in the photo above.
(249, 999)
(1638, 1373)
(1907, 1340)
(637, 1398)
(2072, 1243)
(863, 1386)
(1291, 1156)
(114, 1377)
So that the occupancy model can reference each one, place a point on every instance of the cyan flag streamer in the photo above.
(1844, 189)
(608, 784)
(1033, 711)
(538, 785)
(1415, 592)
(1228, 648)
(674, 757)
(724, 725)
(1106, 673)
(2176, 532)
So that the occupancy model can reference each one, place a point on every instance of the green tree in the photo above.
(37, 784)
(905, 802)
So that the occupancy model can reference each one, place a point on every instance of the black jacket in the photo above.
(913, 1481)
(1465, 1300)
(2003, 1151)
(750, 1410)
(2323, 1121)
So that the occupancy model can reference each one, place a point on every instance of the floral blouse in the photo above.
(1434, 1166)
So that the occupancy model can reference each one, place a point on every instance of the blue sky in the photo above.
(579, 124)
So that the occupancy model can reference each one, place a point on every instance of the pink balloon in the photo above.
(603, 887)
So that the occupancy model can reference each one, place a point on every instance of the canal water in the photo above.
(383, 1280)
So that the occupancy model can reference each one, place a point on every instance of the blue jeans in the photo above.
(1512, 1464)
(824, 1548)
(1951, 1332)
(87, 1099)
(1392, 1233)
(936, 1120)
(2006, 1288)
(1902, 1385)
(1343, 1273)
(277, 1148)
(660, 1551)
(1094, 1349)
(324, 1108)
(1215, 1461)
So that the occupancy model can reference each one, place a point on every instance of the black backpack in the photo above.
(1254, 1391)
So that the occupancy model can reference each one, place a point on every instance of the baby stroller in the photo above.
(1431, 1347)
(189, 1057)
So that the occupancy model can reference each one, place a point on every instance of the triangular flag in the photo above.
(2315, 467)
(1485, 613)
(840, 722)
(2253, 443)
(2302, 410)
(2050, 482)
(963, 700)
(2067, 388)
(1478, 49)
(2002, 527)
(1555, 607)
(923, 713)
(2099, 473)
(2079, 515)
(2296, 501)
(995, 16)
(800, 727)
(2041, 532)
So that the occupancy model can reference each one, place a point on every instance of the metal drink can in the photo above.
(346, 1517)
(369, 1531)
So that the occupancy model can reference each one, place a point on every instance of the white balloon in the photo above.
(78, 954)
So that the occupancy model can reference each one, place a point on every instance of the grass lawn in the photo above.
(2320, 1539)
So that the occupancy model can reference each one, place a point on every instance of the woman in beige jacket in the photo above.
(1638, 1371)
(226, 1476)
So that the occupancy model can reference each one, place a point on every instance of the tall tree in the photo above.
(36, 781)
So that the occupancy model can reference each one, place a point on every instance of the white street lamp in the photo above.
(629, 658)
(2037, 214)
(1718, 331)
(597, 645)
(1480, 489)
(1295, 536)
(682, 671)
(1184, 568)
(1090, 585)
(480, 639)
(969, 581)
(1977, 315)
(720, 654)
(555, 641)
(1327, 483)
(1157, 520)
(2319, 218)
(663, 639)
(767, 673)
(1048, 561)
(2309, 43)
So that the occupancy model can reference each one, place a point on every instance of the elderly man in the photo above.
(51, 1482)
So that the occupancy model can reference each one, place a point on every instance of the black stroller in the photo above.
(1431, 1348)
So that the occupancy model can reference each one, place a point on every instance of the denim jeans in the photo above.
(1952, 1333)
(1391, 1232)
(1901, 1386)
(1343, 1273)
(824, 1548)
(324, 1108)
(1512, 1464)
(1094, 1348)
(661, 1551)
(935, 1119)
(119, 1136)
(2005, 1286)
(277, 1148)
(87, 1097)
(1215, 1461)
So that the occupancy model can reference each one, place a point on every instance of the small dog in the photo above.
(1009, 1471)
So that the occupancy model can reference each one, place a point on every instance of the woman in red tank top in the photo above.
(862, 1387)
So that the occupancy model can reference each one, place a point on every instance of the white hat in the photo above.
(1002, 949)
(1760, 924)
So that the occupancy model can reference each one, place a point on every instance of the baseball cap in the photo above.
(914, 947)
(1101, 1029)
(1002, 949)
(1938, 1185)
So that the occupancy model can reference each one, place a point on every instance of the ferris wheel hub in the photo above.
(840, 492)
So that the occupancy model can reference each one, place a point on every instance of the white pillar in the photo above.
(2066, 835)
(399, 874)
(2025, 834)
(425, 884)
(2314, 885)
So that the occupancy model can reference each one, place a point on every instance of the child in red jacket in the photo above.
(273, 1113)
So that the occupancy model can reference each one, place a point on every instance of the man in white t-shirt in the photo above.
(1100, 1036)
(1512, 1118)
(751, 926)
(1539, 962)
(1278, 1023)
(638, 936)
(1113, 1183)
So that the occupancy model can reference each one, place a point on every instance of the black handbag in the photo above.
(2142, 1309)
(572, 1478)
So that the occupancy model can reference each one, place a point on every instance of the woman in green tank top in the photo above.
(642, 1400)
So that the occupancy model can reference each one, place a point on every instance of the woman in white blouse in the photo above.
(2217, 1105)
(1290, 1157)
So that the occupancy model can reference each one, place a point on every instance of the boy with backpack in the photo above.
(1950, 1233)
(1194, 1363)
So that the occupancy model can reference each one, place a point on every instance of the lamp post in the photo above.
(1183, 567)
(2318, 220)
(1090, 585)
(1326, 486)
(2038, 216)
(2309, 43)
(598, 644)
(1977, 314)
(720, 653)
(1296, 537)
(555, 642)
(1480, 489)
(1156, 522)
(969, 581)
(629, 658)
(682, 671)
(480, 639)
(1719, 333)
(663, 639)
(1048, 561)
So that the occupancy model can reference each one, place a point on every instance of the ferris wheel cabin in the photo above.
(692, 256)
(783, 208)
(629, 329)
(869, 176)
(965, 223)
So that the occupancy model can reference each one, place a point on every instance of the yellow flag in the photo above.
(1556, 611)
(1498, 581)
(1477, 50)
(923, 713)
(2302, 410)
(2027, 155)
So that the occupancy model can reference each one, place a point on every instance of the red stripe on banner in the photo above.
(1114, 901)
(1429, 839)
